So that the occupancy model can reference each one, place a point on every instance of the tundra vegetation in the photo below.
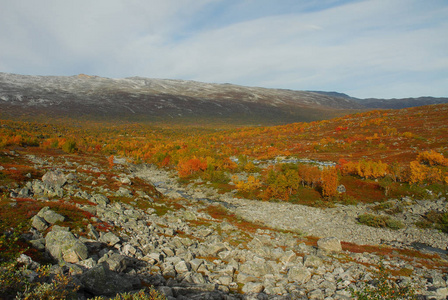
(362, 158)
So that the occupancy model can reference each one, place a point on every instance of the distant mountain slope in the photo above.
(373, 103)
(400, 103)
(158, 99)
(145, 99)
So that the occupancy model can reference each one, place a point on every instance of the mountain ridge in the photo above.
(160, 99)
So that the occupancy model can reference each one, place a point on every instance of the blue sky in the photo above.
(374, 48)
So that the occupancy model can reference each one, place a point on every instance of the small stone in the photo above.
(182, 267)
(312, 261)
(114, 261)
(299, 274)
(253, 287)
(316, 294)
(196, 263)
(39, 223)
(110, 239)
(70, 256)
(125, 180)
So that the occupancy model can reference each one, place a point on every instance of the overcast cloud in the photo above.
(375, 48)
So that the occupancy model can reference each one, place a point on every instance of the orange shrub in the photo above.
(329, 182)
(191, 166)
(251, 185)
(432, 158)
(420, 173)
(366, 169)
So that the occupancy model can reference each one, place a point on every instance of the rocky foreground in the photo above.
(192, 243)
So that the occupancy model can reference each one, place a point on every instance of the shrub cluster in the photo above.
(380, 221)
(384, 288)
(434, 219)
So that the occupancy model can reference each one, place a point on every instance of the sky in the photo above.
(366, 49)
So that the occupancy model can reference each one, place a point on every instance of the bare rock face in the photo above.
(54, 179)
(329, 244)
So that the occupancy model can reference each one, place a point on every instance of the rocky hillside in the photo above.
(147, 99)
(137, 226)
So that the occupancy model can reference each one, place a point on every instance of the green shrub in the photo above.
(151, 294)
(394, 224)
(69, 147)
(14, 280)
(434, 219)
(380, 221)
(384, 288)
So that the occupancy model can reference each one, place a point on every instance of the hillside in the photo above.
(144, 99)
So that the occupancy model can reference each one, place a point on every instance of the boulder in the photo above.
(92, 232)
(100, 199)
(196, 263)
(299, 274)
(182, 267)
(329, 244)
(109, 238)
(99, 280)
(55, 179)
(123, 192)
(64, 245)
(312, 261)
(50, 216)
(253, 287)
(39, 223)
(114, 261)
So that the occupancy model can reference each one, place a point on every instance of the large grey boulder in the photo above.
(50, 216)
(329, 244)
(55, 179)
(64, 246)
(101, 281)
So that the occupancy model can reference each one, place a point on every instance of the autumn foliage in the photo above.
(329, 182)
(189, 167)
(432, 158)
(405, 146)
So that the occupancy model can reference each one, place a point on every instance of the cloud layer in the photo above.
(375, 48)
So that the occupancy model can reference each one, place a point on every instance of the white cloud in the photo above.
(375, 48)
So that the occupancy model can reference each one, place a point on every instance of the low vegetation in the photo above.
(384, 287)
(380, 221)
(434, 219)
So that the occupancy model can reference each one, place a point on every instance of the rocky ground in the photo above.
(193, 243)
